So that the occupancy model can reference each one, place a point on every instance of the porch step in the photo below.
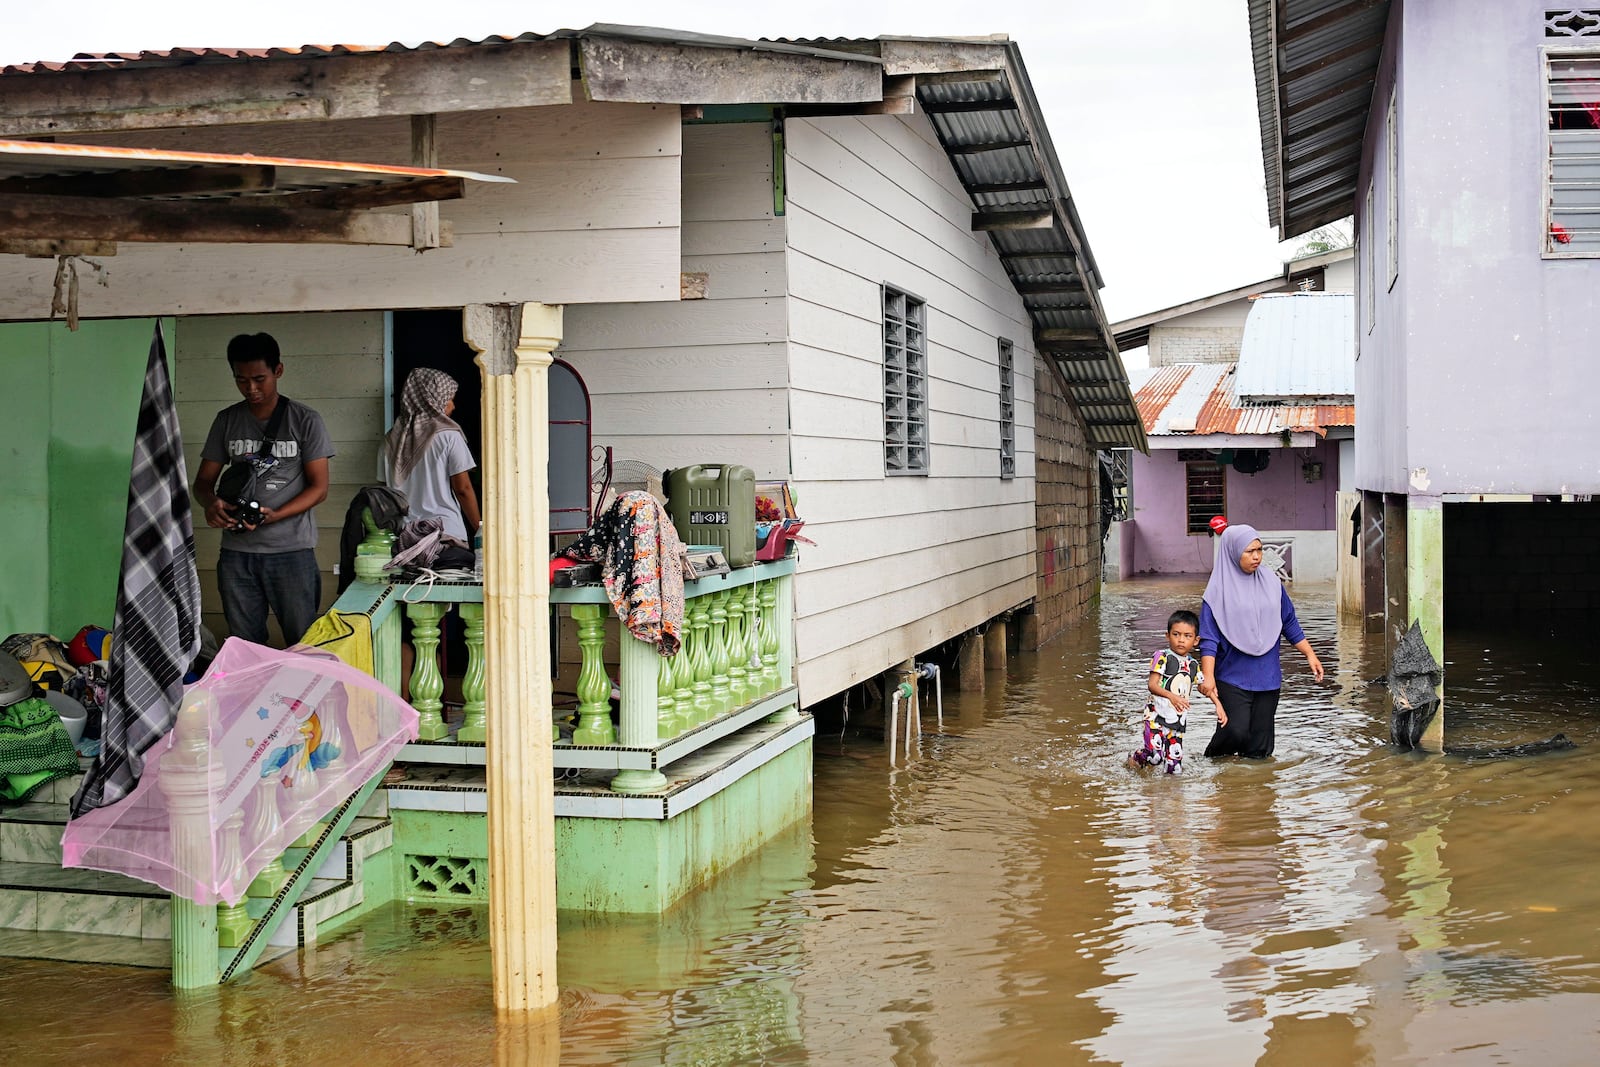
(52, 912)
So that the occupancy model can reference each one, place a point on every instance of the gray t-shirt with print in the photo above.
(302, 437)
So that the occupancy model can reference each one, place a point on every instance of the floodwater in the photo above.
(1013, 894)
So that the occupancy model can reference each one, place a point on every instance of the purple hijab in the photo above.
(1248, 607)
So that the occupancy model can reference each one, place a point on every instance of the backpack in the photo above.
(238, 480)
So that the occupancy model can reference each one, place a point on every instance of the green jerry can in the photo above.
(715, 505)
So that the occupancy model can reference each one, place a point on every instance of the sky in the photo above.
(1151, 105)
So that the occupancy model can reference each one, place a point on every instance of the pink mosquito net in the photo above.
(289, 736)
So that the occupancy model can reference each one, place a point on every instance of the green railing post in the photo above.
(594, 687)
(783, 632)
(720, 700)
(666, 704)
(702, 660)
(738, 651)
(427, 685)
(474, 713)
(233, 920)
(640, 721)
(265, 824)
(190, 778)
(683, 678)
(770, 682)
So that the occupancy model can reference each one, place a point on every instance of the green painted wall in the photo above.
(72, 404)
(24, 465)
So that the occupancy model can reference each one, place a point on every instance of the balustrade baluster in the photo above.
(233, 920)
(266, 825)
(702, 660)
(474, 714)
(683, 677)
(770, 682)
(666, 702)
(739, 693)
(594, 686)
(719, 654)
(752, 642)
(427, 685)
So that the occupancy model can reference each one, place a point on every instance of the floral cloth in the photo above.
(641, 563)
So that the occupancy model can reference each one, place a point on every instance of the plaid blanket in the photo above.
(158, 604)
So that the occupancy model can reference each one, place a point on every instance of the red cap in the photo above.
(1218, 523)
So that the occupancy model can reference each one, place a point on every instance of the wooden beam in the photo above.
(961, 107)
(174, 181)
(1366, 44)
(194, 222)
(386, 194)
(1049, 288)
(1349, 85)
(961, 77)
(1067, 334)
(1014, 219)
(652, 72)
(46, 248)
(363, 85)
(1031, 185)
(992, 146)
(898, 105)
(424, 153)
(1327, 18)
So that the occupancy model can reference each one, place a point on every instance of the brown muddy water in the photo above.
(1013, 894)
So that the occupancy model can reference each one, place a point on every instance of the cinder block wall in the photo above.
(1068, 514)
(1521, 566)
(1194, 344)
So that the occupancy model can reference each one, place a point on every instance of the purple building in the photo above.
(1463, 137)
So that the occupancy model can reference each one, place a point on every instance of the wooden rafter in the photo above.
(173, 182)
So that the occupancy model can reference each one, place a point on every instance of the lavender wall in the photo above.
(1482, 357)
(1278, 498)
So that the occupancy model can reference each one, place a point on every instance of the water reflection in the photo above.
(1014, 892)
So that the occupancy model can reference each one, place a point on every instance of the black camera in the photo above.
(246, 512)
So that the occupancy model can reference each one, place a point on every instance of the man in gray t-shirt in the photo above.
(270, 564)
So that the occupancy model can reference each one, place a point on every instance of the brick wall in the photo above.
(1521, 565)
(1194, 344)
(1068, 514)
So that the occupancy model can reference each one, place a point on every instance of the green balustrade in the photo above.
(739, 692)
(720, 703)
(770, 681)
(474, 714)
(427, 684)
(594, 686)
(666, 703)
(683, 718)
(701, 612)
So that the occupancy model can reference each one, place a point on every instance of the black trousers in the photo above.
(1252, 722)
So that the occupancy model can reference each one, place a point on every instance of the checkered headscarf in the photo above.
(421, 416)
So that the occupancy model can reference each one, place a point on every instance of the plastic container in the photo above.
(714, 504)
(74, 716)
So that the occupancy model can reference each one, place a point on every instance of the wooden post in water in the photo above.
(1424, 547)
(513, 343)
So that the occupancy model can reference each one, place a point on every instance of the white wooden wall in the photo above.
(594, 216)
(332, 362)
(701, 381)
(901, 563)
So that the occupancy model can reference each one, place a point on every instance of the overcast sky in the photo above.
(1151, 105)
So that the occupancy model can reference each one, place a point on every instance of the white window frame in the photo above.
(905, 383)
(1549, 248)
(1006, 357)
(1391, 127)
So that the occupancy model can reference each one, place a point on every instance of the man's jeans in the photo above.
(287, 582)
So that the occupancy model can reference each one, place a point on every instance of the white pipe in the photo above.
(894, 723)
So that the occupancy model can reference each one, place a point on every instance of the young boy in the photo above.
(1174, 675)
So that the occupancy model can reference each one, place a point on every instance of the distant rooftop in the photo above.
(1299, 347)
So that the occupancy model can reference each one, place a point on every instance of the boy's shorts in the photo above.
(1163, 747)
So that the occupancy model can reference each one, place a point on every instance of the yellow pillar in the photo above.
(513, 343)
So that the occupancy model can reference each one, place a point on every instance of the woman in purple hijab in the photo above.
(1245, 612)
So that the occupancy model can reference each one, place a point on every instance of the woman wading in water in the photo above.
(1244, 614)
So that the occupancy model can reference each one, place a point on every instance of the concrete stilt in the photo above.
(1028, 634)
(1425, 591)
(514, 343)
(994, 646)
(969, 664)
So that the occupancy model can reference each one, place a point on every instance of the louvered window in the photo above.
(1572, 175)
(1206, 486)
(1008, 412)
(905, 383)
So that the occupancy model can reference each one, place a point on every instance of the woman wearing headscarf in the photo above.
(1244, 613)
(428, 458)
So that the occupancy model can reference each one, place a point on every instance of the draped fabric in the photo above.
(422, 403)
(641, 563)
(157, 629)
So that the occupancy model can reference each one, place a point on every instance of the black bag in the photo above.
(238, 479)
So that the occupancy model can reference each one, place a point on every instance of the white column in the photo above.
(514, 344)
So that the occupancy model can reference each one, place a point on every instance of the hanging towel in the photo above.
(158, 601)
(641, 563)
(347, 634)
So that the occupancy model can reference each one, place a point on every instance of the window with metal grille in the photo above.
(1572, 167)
(1205, 486)
(1008, 412)
(1572, 22)
(905, 383)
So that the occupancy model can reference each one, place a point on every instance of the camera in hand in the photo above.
(246, 512)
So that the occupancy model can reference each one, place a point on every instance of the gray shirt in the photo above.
(302, 437)
(427, 487)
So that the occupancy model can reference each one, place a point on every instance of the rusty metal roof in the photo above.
(1198, 399)
(1316, 64)
(40, 159)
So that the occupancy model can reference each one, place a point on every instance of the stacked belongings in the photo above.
(35, 747)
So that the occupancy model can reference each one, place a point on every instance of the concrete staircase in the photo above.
(51, 912)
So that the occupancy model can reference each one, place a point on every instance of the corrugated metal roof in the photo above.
(996, 137)
(39, 159)
(1197, 399)
(172, 57)
(1299, 347)
(1316, 62)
